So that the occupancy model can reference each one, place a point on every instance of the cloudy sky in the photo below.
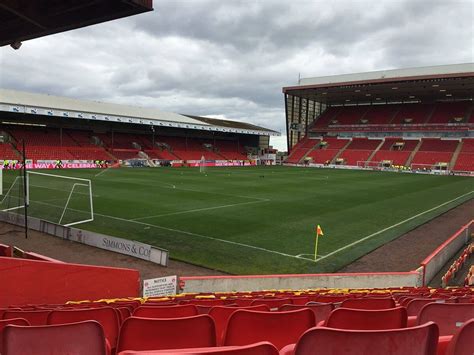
(230, 59)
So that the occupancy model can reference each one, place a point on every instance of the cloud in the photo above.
(231, 59)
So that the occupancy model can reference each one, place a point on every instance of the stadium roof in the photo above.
(21, 20)
(443, 82)
(55, 106)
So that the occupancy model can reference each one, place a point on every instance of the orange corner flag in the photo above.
(319, 231)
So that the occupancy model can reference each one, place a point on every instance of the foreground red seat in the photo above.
(279, 328)
(33, 317)
(369, 303)
(463, 341)
(348, 318)
(261, 348)
(448, 316)
(14, 321)
(187, 310)
(420, 340)
(172, 333)
(85, 338)
(107, 317)
(221, 315)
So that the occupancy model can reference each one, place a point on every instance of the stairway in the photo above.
(340, 152)
(412, 155)
(376, 150)
(455, 155)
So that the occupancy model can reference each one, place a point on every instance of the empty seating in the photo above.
(369, 303)
(107, 317)
(14, 321)
(273, 303)
(280, 328)
(462, 342)
(261, 348)
(85, 338)
(347, 318)
(221, 315)
(166, 312)
(173, 333)
(421, 340)
(448, 317)
(36, 317)
(320, 310)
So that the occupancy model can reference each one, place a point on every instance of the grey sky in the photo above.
(231, 58)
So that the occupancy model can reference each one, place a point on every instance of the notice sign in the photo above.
(160, 287)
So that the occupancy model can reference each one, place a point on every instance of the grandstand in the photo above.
(418, 118)
(56, 128)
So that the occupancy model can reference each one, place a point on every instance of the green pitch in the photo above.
(261, 219)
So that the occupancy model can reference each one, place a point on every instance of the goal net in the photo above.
(202, 165)
(441, 168)
(58, 199)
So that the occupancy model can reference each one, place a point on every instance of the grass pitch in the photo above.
(257, 220)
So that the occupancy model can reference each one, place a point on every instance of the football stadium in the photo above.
(131, 230)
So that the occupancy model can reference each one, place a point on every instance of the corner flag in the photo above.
(319, 231)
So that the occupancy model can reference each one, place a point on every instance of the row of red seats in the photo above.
(457, 265)
(440, 113)
(156, 327)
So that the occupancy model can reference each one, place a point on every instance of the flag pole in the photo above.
(316, 247)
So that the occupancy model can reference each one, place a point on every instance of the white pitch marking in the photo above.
(185, 232)
(101, 172)
(390, 227)
(197, 210)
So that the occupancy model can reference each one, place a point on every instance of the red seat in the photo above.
(280, 328)
(421, 340)
(166, 312)
(415, 305)
(13, 321)
(107, 317)
(85, 338)
(172, 333)
(33, 317)
(369, 303)
(462, 342)
(448, 316)
(261, 348)
(320, 310)
(273, 303)
(221, 315)
(348, 318)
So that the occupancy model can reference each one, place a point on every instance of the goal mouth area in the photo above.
(57, 199)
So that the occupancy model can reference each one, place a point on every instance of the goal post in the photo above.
(58, 199)
(202, 165)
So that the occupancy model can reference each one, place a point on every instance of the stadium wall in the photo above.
(302, 281)
(438, 258)
(31, 281)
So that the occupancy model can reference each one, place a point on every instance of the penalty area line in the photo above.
(392, 226)
(197, 210)
(149, 225)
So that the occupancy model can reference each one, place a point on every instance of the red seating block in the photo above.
(166, 312)
(261, 348)
(173, 333)
(461, 344)
(107, 317)
(421, 340)
(85, 338)
(280, 328)
(347, 318)
(448, 316)
(221, 315)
